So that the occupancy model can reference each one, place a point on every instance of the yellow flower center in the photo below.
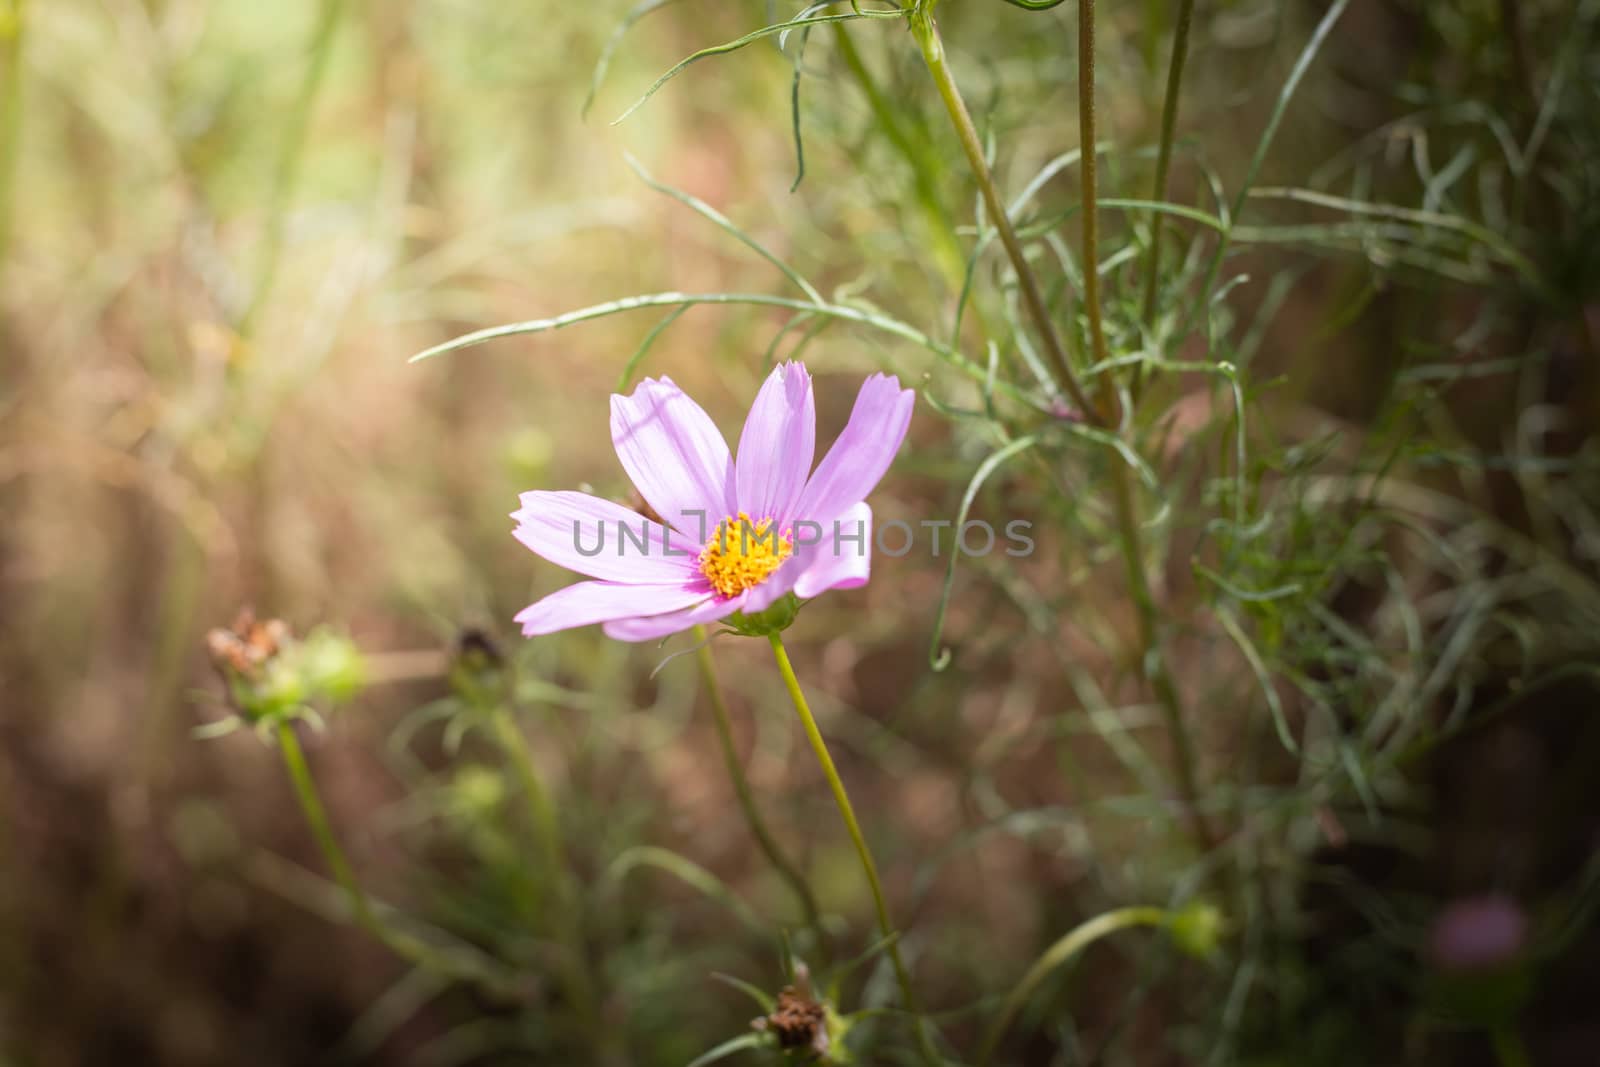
(742, 554)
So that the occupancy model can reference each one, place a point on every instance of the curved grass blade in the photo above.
(762, 998)
(728, 1048)
(686, 871)
(726, 224)
(649, 342)
(603, 64)
(939, 658)
(847, 313)
(751, 38)
(1258, 667)
(1066, 948)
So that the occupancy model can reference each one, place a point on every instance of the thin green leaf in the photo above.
(686, 871)
(762, 998)
(613, 42)
(726, 224)
(939, 658)
(750, 38)
(1258, 666)
(728, 1048)
(668, 299)
(649, 342)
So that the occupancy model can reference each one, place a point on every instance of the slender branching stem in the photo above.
(1129, 531)
(1088, 176)
(781, 863)
(926, 32)
(1158, 186)
(868, 866)
(1185, 759)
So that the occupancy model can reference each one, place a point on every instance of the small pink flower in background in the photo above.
(737, 536)
(1478, 933)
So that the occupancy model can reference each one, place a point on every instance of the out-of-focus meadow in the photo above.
(1369, 543)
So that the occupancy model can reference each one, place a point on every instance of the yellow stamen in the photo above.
(742, 554)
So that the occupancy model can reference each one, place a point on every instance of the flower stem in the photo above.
(1154, 662)
(741, 787)
(1158, 191)
(842, 799)
(1129, 532)
(568, 915)
(926, 32)
(1130, 535)
(463, 964)
(305, 789)
(1088, 179)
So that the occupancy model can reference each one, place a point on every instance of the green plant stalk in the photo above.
(926, 32)
(305, 790)
(1158, 190)
(781, 863)
(568, 921)
(1130, 535)
(1076, 940)
(403, 944)
(951, 259)
(868, 866)
(1185, 759)
(291, 154)
(1088, 177)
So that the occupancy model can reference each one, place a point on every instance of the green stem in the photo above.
(747, 801)
(1088, 171)
(1154, 663)
(1078, 939)
(1158, 192)
(305, 789)
(463, 963)
(568, 915)
(1130, 534)
(868, 866)
(948, 246)
(542, 814)
(926, 32)
(291, 154)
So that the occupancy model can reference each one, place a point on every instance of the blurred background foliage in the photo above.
(226, 227)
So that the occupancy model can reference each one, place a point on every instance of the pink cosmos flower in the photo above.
(735, 536)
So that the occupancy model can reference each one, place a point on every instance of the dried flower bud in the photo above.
(797, 1021)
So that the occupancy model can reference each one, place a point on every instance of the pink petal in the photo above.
(673, 621)
(778, 583)
(863, 452)
(591, 602)
(777, 445)
(675, 456)
(584, 533)
(840, 560)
